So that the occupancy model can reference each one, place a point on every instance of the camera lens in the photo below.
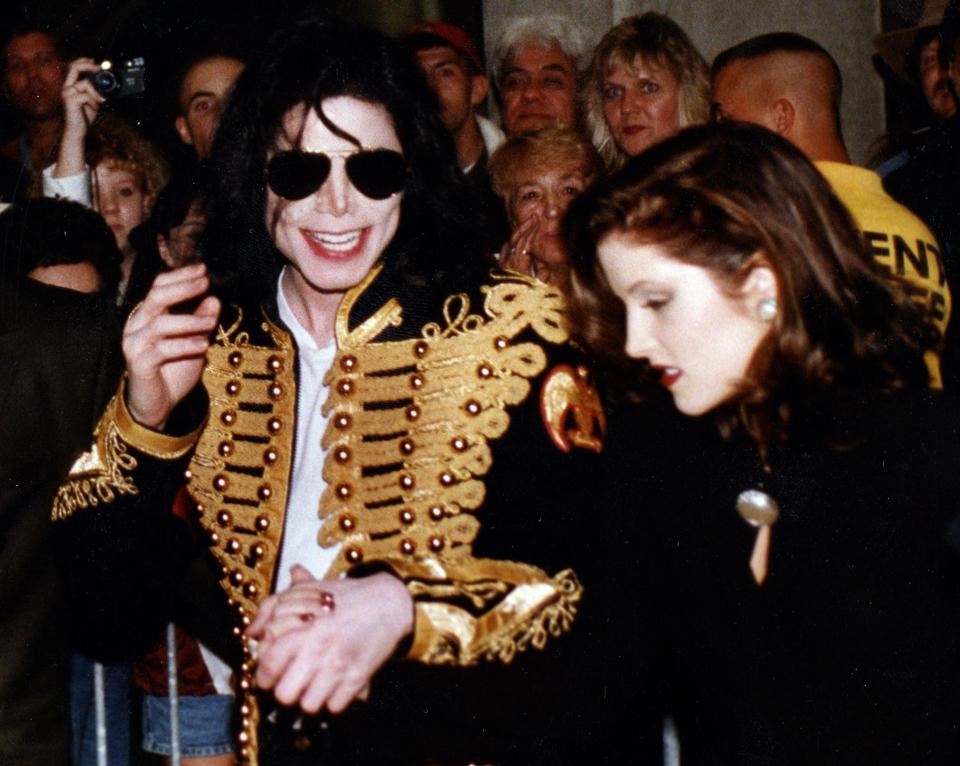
(105, 82)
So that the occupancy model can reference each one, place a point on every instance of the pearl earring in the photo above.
(768, 309)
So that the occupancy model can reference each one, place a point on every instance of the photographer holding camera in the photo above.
(107, 165)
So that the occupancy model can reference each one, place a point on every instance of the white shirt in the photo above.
(75, 187)
(302, 525)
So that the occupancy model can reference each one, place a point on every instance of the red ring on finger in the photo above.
(327, 601)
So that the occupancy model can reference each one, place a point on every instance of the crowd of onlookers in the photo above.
(96, 215)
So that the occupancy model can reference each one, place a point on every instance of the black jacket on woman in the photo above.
(849, 652)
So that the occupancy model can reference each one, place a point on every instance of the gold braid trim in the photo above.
(146, 440)
(102, 473)
(411, 421)
(532, 612)
(240, 470)
(408, 445)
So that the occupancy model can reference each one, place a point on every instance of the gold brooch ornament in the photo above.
(759, 510)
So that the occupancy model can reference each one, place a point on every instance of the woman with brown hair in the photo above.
(646, 81)
(794, 575)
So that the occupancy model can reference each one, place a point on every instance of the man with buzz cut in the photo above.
(789, 84)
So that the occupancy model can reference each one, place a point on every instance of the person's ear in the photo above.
(163, 247)
(480, 86)
(147, 205)
(183, 130)
(760, 292)
(783, 115)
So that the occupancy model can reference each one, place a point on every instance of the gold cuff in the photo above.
(146, 440)
(424, 635)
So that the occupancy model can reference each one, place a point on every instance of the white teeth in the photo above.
(339, 242)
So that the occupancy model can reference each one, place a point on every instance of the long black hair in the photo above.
(307, 63)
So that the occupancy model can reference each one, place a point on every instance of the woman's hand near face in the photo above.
(517, 252)
(165, 351)
(317, 657)
(520, 254)
(81, 102)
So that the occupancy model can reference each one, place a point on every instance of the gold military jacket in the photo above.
(422, 393)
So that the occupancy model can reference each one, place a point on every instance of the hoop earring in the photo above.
(768, 310)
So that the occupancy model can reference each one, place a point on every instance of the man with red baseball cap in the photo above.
(454, 70)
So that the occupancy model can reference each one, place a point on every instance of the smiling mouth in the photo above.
(335, 244)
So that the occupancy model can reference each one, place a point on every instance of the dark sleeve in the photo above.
(129, 561)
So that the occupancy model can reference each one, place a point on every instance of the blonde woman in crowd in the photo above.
(646, 82)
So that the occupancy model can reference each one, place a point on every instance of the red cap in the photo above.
(455, 37)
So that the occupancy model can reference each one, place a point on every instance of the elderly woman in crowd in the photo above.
(793, 574)
(646, 82)
(537, 175)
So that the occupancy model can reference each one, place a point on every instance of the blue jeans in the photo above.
(205, 725)
(116, 685)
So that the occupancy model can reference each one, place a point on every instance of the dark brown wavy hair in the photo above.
(716, 195)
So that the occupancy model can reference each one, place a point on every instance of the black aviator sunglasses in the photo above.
(375, 173)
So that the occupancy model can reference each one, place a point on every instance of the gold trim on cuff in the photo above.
(146, 440)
